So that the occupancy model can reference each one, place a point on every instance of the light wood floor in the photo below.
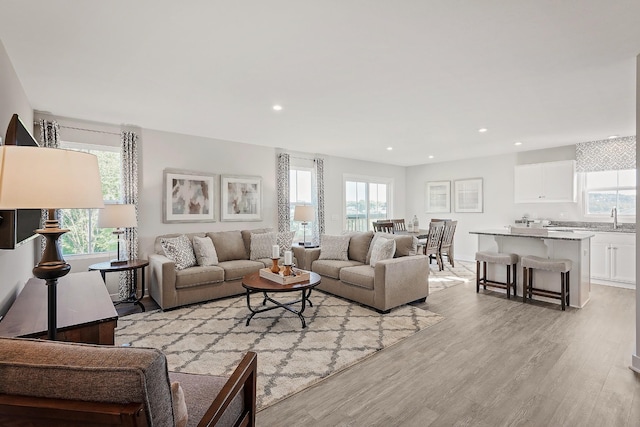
(491, 362)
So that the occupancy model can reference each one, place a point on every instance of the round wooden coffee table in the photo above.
(253, 283)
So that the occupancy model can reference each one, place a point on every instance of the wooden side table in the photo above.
(85, 311)
(132, 265)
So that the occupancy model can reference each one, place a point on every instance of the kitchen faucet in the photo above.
(614, 215)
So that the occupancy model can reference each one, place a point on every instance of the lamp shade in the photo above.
(117, 216)
(304, 213)
(48, 178)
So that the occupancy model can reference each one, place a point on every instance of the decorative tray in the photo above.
(300, 276)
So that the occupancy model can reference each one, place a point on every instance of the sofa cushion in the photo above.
(157, 247)
(262, 245)
(199, 275)
(334, 247)
(382, 249)
(246, 238)
(205, 251)
(406, 245)
(95, 373)
(331, 268)
(362, 276)
(234, 270)
(359, 245)
(179, 250)
(229, 245)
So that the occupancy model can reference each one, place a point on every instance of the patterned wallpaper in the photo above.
(608, 154)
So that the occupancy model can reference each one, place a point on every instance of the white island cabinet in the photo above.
(556, 244)
(613, 258)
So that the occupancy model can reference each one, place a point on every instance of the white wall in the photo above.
(498, 189)
(16, 264)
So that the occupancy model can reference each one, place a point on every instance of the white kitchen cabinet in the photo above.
(545, 182)
(613, 258)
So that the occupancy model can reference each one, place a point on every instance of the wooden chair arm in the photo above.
(243, 376)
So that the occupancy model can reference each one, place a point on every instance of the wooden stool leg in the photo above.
(530, 284)
(508, 281)
(514, 267)
(484, 272)
(477, 276)
(562, 291)
(524, 284)
(568, 287)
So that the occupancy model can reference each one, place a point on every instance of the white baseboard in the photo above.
(635, 363)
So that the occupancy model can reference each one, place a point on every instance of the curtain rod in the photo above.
(82, 129)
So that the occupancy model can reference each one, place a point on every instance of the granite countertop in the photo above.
(592, 226)
(553, 234)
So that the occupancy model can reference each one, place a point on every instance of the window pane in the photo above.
(627, 202)
(627, 178)
(600, 202)
(602, 179)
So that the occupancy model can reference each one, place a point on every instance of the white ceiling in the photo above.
(353, 76)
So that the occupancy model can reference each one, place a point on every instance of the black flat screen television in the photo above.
(18, 226)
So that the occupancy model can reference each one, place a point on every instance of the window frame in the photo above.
(88, 147)
(586, 190)
(368, 180)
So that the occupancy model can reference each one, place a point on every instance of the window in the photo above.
(84, 236)
(300, 190)
(367, 200)
(606, 189)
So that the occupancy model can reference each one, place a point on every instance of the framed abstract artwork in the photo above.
(438, 197)
(188, 196)
(241, 198)
(468, 195)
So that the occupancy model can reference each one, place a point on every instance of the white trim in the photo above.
(635, 363)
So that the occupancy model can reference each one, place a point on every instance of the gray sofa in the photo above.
(391, 283)
(172, 288)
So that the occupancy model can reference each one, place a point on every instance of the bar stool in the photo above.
(508, 259)
(562, 266)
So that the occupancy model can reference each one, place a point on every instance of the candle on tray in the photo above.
(275, 251)
(288, 258)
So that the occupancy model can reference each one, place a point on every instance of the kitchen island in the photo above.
(575, 246)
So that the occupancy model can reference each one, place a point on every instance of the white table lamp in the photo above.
(304, 214)
(49, 178)
(118, 217)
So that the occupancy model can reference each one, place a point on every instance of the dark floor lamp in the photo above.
(49, 178)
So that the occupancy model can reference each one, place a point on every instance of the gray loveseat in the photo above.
(172, 288)
(391, 283)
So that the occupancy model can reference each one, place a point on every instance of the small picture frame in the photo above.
(188, 196)
(437, 196)
(241, 198)
(468, 195)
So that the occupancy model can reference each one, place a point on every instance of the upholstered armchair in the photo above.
(48, 383)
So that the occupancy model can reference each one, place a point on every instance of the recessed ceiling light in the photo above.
(277, 107)
(389, 148)
(431, 157)
(482, 130)
(517, 143)
(613, 136)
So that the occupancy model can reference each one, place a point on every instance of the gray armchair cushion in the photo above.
(89, 372)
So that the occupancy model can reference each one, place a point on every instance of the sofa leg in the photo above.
(383, 311)
(420, 299)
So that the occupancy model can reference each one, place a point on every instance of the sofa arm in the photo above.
(162, 284)
(401, 280)
(305, 256)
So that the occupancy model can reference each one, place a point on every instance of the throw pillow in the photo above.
(262, 245)
(382, 249)
(180, 415)
(205, 251)
(285, 241)
(179, 250)
(334, 247)
(377, 236)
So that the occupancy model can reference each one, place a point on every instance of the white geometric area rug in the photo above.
(211, 338)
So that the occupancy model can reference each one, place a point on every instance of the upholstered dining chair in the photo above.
(383, 226)
(431, 247)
